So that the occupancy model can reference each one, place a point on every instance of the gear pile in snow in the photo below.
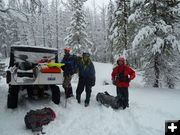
(35, 119)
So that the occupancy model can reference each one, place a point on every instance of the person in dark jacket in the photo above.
(86, 78)
(121, 76)
(69, 69)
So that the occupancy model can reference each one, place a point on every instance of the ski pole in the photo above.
(66, 92)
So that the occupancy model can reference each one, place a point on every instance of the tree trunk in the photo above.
(157, 72)
(125, 29)
(57, 28)
(156, 69)
(44, 40)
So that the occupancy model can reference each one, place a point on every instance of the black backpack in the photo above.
(35, 119)
(121, 76)
(108, 100)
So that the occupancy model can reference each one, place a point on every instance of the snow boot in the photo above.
(68, 92)
(78, 97)
(88, 95)
(86, 103)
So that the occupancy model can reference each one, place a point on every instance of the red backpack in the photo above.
(35, 119)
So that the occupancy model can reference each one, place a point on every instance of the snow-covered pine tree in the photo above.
(12, 27)
(90, 31)
(30, 30)
(2, 69)
(65, 15)
(49, 32)
(52, 24)
(109, 42)
(29, 27)
(98, 28)
(2, 64)
(77, 37)
(3, 33)
(21, 25)
(102, 34)
(157, 40)
(94, 33)
(8, 30)
(121, 28)
(3, 26)
(57, 26)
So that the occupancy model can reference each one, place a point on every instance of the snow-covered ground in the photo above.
(149, 108)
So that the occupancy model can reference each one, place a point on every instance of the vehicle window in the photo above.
(34, 57)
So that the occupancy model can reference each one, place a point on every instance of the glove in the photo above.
(71, 73)
(129, 79)
(93, 82)
(114, 82)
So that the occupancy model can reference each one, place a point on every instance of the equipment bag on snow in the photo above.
(35, 119)
(109, 100)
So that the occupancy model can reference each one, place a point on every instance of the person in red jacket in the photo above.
(121, 76)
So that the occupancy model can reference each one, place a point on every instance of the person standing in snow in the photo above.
(121, 76)
(86, 78)
(69, 69)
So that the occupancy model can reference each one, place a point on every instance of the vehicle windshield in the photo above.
(33, 57)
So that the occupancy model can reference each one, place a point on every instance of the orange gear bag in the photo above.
(50, 70)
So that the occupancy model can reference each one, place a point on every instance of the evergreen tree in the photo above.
(8, 30)
(90, 32)
(121, 27)
(49, 34)
(77, 37)
(2, 68)
(102, 35)
(13, 28)
(157, 40)
(3, 28)
(109, 43)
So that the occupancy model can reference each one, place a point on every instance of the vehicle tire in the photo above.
(55, 94)
(12, 98)
(29, 91)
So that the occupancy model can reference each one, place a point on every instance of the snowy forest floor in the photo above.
(149, 108)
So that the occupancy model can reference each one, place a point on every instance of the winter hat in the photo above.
(67, 49)
(121, 59)
(86, 54)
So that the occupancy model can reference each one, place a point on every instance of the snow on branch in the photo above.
(15, 13)
(136, 1)
(158, 45)
(176, 10)
(142, 34)
(173, 40)
(163, 26)
(4, 10)
(134, 16)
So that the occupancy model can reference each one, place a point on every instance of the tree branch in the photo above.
(4, 10)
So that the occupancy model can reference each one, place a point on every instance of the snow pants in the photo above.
(67, 85)
(122, 92)
(84, 83)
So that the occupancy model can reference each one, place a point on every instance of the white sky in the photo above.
(98, 3)
(89, 3)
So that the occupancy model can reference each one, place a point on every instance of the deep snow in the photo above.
(149, 108)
